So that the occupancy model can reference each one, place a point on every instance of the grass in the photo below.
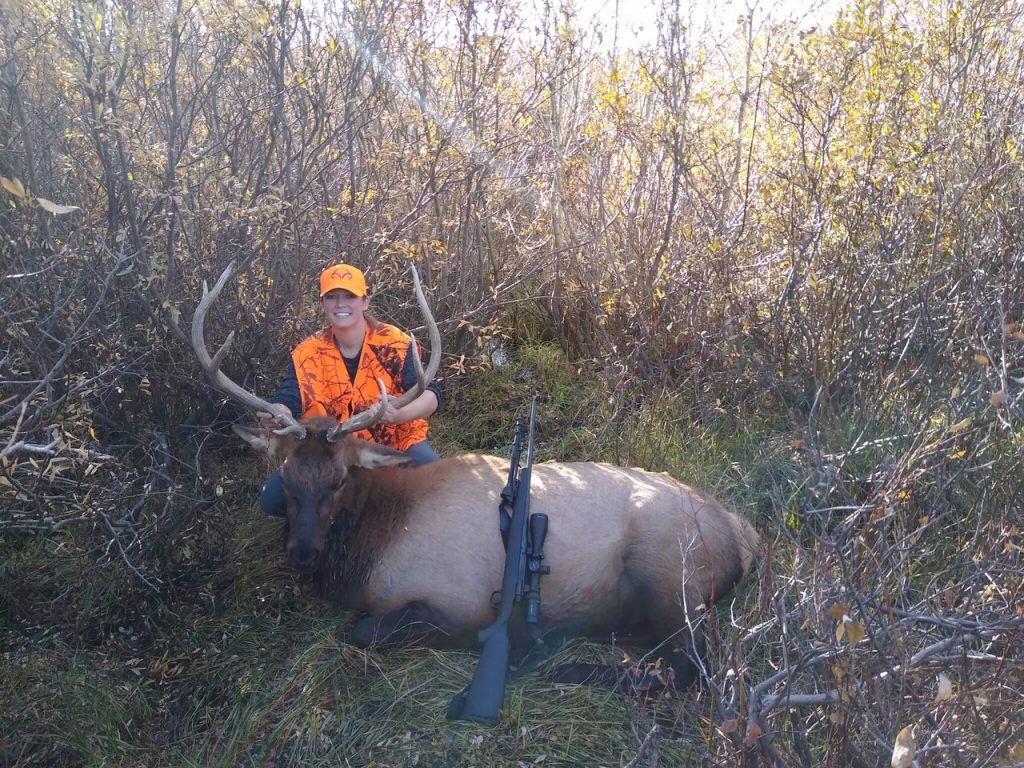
(249, 668)
(236, 663)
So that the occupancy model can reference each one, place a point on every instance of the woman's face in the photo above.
(342, 309)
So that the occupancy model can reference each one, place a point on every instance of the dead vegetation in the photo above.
(783, 265)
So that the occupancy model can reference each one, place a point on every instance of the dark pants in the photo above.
(271, 494)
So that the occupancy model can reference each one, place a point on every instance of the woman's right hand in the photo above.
(267, 421)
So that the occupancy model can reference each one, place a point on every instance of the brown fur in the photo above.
(629, 550)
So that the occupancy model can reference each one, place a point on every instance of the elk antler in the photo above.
(211, 365)
(372, 415)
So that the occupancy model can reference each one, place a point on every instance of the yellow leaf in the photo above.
(960, 426)
(904, 749)
(13, 186)
(54, 208)
(854, 632)
(1018, 335)
(981, 359)
(945, 688)
(838, 610)
(97, 20)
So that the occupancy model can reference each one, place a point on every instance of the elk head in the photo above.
(317, 454)
(317, 477)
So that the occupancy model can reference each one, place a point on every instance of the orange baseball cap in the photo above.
(343, 276)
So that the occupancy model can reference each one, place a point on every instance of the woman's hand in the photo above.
(267, 421)
(392, 415)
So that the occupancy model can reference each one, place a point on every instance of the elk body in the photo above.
(417, 550)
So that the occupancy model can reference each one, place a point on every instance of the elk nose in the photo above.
(304, 558)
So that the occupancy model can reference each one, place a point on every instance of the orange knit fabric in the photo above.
(326, 388)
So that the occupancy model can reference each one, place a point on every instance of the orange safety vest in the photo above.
(326, 388)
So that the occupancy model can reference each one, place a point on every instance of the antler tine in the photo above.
(371, 416)
(211, 365)
(423, 378)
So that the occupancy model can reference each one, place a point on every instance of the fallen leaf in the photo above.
(1016, 754)
(945, 688)
(960, 426)
(13, 186)
(904, 749)
(854, 632)
(55, 208)
(981, 359)
(997, 398)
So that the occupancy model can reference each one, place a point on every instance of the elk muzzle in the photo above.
(305, 542)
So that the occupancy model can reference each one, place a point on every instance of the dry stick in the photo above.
(124, 555)
(17, 427)
(643, 746)
(72, 340)
(50, 449)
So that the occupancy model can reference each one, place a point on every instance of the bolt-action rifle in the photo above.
(523, 535)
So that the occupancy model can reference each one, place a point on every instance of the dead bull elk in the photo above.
(417, 550)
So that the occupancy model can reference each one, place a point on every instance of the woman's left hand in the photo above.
(391, 415)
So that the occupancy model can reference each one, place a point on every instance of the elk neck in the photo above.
(374, 508)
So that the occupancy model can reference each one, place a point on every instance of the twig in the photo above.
(35, 449)
(643, 746)
(124, 555)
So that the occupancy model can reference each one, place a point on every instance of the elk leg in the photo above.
(685, 657)
(415, 622)
(678, 668)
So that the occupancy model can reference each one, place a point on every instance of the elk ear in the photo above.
(277, 447)
(362, 453)
(254, 437)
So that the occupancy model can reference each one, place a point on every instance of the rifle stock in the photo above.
(482, 700)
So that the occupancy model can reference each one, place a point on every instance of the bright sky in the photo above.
(637, 20)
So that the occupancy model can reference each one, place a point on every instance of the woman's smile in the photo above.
(343, 309)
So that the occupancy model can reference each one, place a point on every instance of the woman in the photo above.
(335, 372)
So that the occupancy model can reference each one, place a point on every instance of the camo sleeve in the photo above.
(288, 391)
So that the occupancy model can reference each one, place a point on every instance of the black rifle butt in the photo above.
(482, 700)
